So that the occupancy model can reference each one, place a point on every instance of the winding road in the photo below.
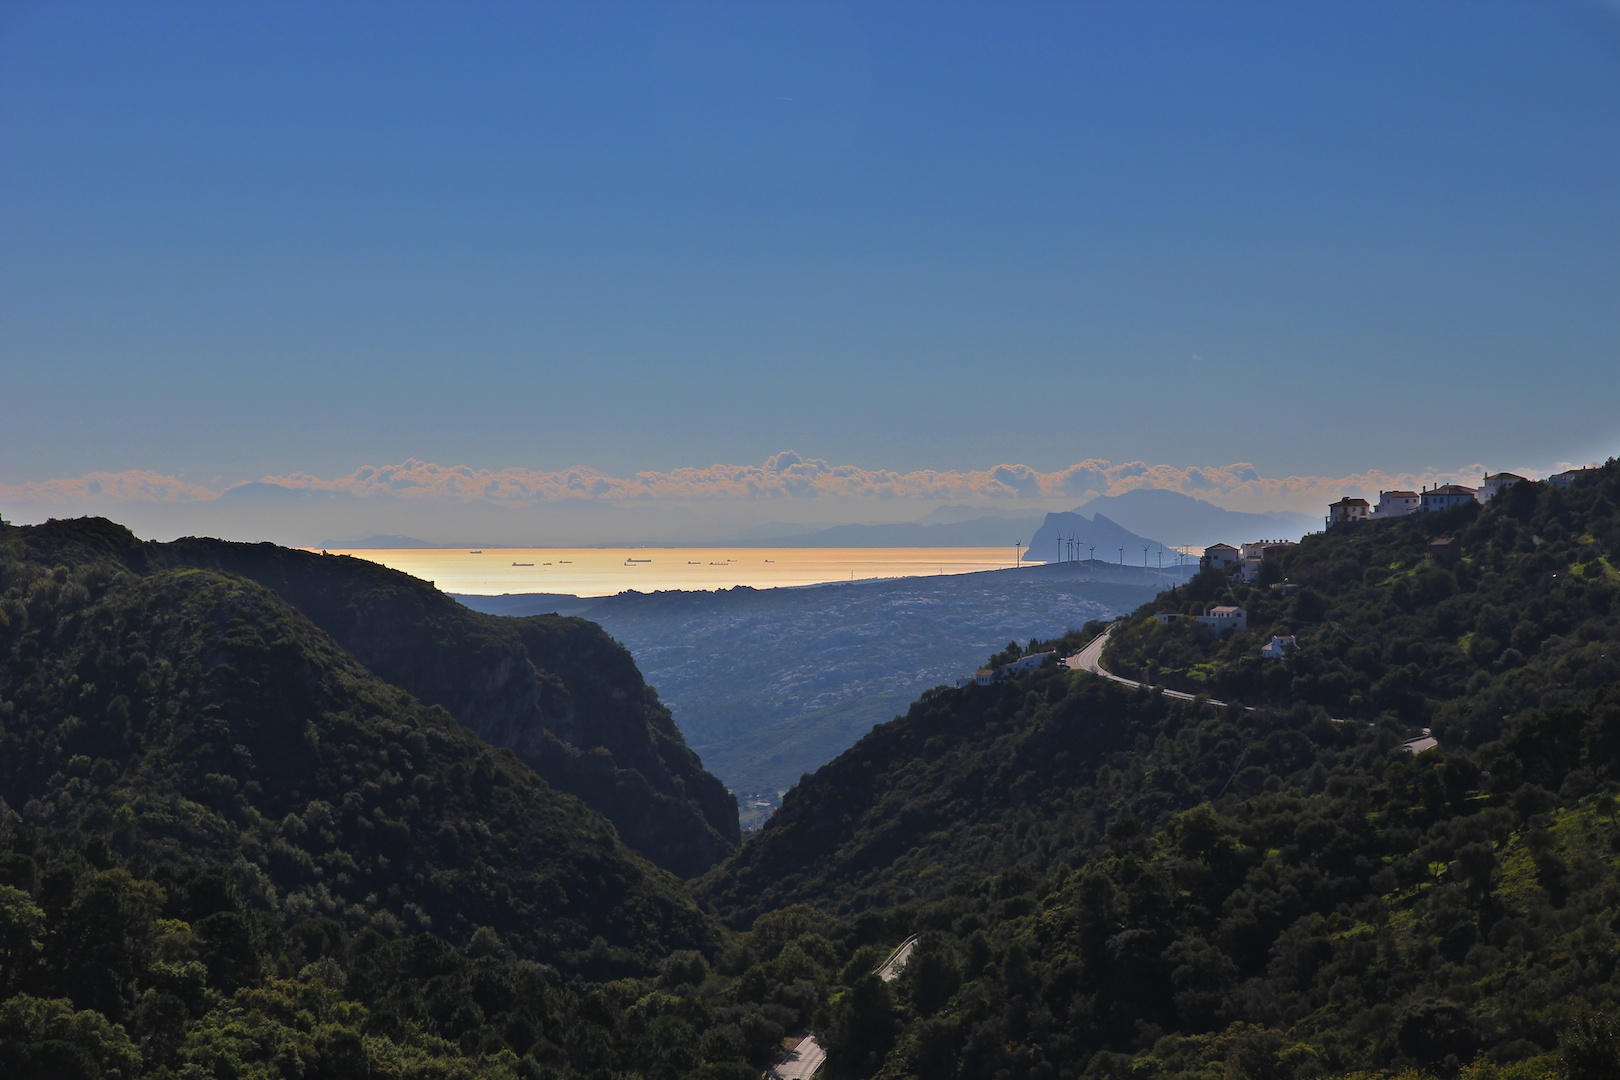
(1090, 659)
(890, 969)
(806, 1055)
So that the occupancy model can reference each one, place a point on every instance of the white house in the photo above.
(1393, 504)
(1255, 553)
(1569, 476)
(985, 676)
(1223, 619)
(1277, 648)
(1027, 663)
(1346, 511)
(1445, 496)
(1496, 483)
(1219, 556)
(1219, 619)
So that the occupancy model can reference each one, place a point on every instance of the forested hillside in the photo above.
(1026, 776)
(194, 716)
(1527, 617)
(1111, 883)
(228, 849)
(558, 692)
(125, 966)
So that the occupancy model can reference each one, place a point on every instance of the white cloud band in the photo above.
(783, 476)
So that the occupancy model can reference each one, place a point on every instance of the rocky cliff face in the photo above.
(558, 692)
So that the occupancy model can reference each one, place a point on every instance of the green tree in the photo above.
(107, 936)
(1590, 1046)
(47, 1037)
(858, 1027)
(21, 924)
(931, 976)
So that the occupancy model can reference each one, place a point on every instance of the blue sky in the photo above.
(251, 240)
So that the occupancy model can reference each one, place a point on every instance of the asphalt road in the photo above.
(1089, 659)
(801, 1062)
(891, 968)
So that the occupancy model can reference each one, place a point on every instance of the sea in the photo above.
(608, 571)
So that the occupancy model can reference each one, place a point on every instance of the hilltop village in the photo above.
(1247, 558)
(1394, 504)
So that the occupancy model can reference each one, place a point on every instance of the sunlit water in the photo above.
(605, 571)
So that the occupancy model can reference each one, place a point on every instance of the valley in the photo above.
(267, 812)
(767, 685)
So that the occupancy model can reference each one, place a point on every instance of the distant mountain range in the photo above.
(380, 542)
(1094, 538)
(1187, 521)
(951, 515)
(1146, 517)
(973, 532)
(1177, 520)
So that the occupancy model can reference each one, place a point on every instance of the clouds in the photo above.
(449, 504)
(135, 485)
(783, 477)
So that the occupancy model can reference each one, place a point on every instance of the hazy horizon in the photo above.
(517, 507)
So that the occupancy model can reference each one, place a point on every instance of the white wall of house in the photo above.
(1445, 497)
(1277, 648)
(1569, 476)
(1495, 484)
(1347, 510)
(1392, 504)
(1224, 619)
